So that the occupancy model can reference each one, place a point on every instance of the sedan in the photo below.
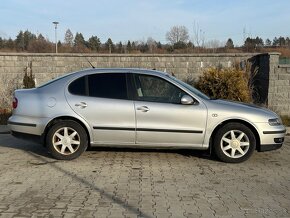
(142, 109)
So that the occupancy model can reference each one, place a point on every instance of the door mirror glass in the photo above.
(187, 100)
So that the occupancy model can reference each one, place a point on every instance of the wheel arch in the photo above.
(247, 124)
(63, 118)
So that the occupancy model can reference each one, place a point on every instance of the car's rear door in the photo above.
(161, 119)
(102, 100)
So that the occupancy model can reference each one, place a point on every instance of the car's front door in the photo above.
(161, 119)
(102, 100)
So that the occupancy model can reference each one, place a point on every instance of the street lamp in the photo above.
(55, 27)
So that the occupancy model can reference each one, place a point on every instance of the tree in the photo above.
(68, 38)
(144, 47)
(40, 44)
(177, 34)
(253, 43)
(268, 42)
(120, 48)
(133, 46)
(151, 44)
(79, 40)
(9, 44)
(129, 46)
(288, 41)
(27, 38)
(199, 35)
(190, 45)
(23, 39)
(94, 43)
(180, 45)
(1, 43)
(110, 45)
(282, 41)
(230, 44)
(159, 45)
(19, 41)
(275, 42)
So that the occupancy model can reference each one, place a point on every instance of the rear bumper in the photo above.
(27, 125)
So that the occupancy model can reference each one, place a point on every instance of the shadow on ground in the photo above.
(6, 140)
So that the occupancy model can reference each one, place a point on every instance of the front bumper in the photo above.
(269, 147)
(271, 137)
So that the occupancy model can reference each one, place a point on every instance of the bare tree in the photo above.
(214, 44)
(152, 44)
(177, 34)
(68, 38)
(199, 35)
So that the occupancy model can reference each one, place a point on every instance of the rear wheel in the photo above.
(234, 143)
(66, 140)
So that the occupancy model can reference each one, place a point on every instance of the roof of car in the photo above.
(120, 70)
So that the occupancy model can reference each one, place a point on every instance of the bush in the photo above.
(228, 83)
(4, 115)
(286, 120)
(28, 78)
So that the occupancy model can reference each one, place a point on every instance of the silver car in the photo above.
(139, 108)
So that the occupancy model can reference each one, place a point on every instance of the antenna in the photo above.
(89, 62)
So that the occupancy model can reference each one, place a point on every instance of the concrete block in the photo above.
(281, 82)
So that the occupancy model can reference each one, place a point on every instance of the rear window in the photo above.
(78, 87)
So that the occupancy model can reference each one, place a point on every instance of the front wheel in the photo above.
(234, 143)
(66, 140)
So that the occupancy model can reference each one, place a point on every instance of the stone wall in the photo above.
(279, 87)
(273, 79)
(48, 66)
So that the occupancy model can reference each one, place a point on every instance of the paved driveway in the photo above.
(140, 183)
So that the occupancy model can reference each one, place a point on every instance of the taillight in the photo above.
(15, 103)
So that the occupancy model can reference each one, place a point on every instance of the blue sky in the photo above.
(140, 19)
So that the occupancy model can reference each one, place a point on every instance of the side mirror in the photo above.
(187, 100)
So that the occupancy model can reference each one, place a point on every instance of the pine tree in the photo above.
(109, 45)
(79, 40)
(230, 43)
(94, 43)
(129, 46)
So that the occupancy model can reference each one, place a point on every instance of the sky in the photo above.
(136, 20)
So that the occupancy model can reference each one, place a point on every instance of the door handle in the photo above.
(143, 108)
(81, 105)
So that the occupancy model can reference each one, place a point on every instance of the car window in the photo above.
(78, 87)
(155, 89)
(108, 85)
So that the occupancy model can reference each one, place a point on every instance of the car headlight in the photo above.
(275, 122)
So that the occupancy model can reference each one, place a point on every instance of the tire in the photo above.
(234, 143)
(66, 140)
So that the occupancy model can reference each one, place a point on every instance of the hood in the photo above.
(241, 109)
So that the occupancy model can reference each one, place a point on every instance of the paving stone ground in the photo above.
(141, 183)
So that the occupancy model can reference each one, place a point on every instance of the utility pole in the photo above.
(55, 27)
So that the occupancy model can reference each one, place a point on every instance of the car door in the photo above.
(102, 100)
(161, 119)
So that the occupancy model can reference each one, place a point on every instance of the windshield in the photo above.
(190, 88)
